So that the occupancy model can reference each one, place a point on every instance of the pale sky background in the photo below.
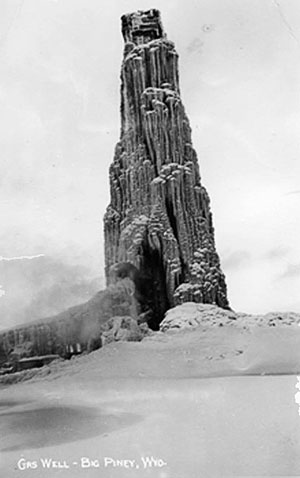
(59, 115)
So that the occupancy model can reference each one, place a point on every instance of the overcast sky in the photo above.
(240, 78)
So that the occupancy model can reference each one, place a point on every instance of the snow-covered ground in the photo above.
(207, 402)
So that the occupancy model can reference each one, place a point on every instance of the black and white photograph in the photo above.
(150, 238)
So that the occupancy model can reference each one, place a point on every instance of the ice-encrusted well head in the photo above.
(142, 26)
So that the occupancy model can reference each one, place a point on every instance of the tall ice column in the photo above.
(159, 216)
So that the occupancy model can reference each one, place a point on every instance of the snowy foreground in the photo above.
(200, 402)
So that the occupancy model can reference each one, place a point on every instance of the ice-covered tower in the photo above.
(159, 217)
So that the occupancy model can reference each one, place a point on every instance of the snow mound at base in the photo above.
(190, 315)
